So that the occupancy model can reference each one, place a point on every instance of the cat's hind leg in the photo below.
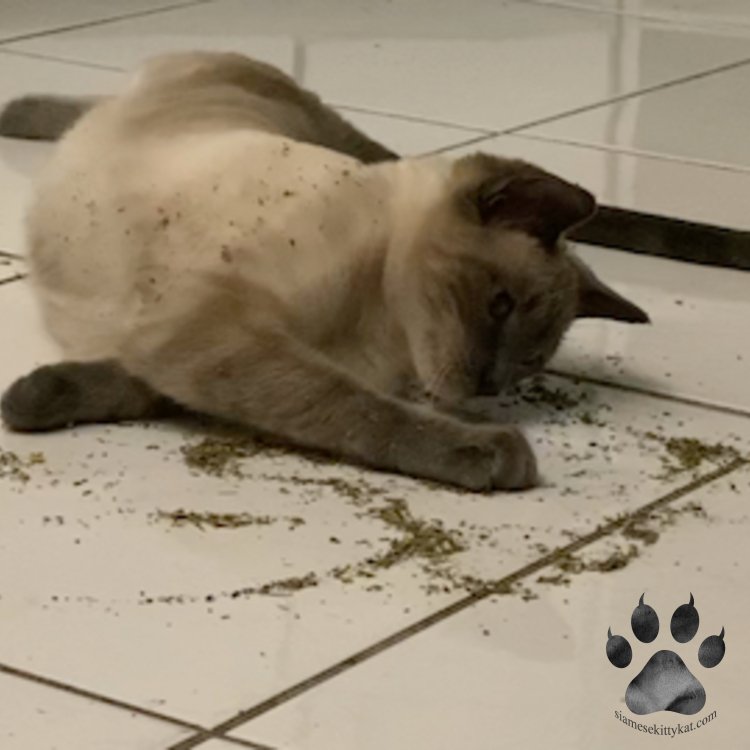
(68, 393)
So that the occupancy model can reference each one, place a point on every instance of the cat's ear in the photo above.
(534, 201)
(597, 300)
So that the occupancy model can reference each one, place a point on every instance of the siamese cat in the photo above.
(217, 239)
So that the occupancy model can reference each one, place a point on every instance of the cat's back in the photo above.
(118, 198)
(114, 218)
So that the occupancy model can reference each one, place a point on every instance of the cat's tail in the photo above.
(42, 117)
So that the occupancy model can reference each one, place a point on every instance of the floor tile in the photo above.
(18, 18)
(534, 674)
(703, 120)
(20, 161)
(36, 717)
(485, 65)
(224, 581)
(733, 14)
(225, 25)
(706, 194)
(24, 74)
(408, 137)
(694, 348)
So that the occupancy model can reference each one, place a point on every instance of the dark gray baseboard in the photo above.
(650, 234)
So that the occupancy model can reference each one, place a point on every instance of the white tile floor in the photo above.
(121, 627)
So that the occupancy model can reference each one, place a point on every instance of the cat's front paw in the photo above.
(492, 458)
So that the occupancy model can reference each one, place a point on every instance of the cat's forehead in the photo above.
(533, 274)
(515, 258)
(478, 167)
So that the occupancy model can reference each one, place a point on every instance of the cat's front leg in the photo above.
(272, 382)
(478, 457)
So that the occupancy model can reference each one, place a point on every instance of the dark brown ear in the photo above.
(535, 201)
(597, 300)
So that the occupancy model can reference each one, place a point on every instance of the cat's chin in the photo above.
(490, 388)
(485, 390)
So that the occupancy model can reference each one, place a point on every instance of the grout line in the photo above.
(101, 21)
(692, 24)
(461, 144)
(244, 743)
(63, 60)
(499, 586)
(518, 129)
(303, 686)
(64, 687)
(486, 133)
(630, 95)
(98, 697)
(600, 147)
(628, 151)
(736, 411)
(607, 529)
(10, 279)
(239, 741)
(8, 254)
(413, 118)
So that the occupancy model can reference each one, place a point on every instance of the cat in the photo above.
(216, 239)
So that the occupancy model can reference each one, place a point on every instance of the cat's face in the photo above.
(493, 285)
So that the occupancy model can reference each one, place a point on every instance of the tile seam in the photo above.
(99, 22)
(500, 586)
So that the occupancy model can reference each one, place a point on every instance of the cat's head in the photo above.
(488, 285)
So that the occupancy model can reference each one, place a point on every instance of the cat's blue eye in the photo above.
(501, 305)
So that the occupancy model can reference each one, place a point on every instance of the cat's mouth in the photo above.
(488, 387)
(489, 384)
